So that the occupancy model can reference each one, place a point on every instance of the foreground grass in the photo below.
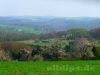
(50, 68)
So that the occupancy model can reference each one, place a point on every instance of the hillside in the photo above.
(39, 25)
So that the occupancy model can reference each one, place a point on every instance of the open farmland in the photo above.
(44, 42)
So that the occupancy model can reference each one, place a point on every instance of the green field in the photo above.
(50, 68)
(47, 43)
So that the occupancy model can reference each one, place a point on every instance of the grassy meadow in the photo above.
(44, 43)
(50, 68)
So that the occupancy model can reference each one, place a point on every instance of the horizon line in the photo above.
(50, 16)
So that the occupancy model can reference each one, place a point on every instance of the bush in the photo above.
(4, 56)
(16, 51)
(80, 48)
(38, 57)
(97, 52)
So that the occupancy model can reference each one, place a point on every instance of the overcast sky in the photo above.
(62, 8)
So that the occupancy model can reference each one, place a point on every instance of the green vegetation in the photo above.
(21, 28)
(28, 42)
(77, 33)
(52, 49)
(74, 44)
(49, 49)
(45, 42)
(50, 68)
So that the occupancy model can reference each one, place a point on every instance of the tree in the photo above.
(96, 51)
(81, 48)
(77, 33)
(95, 33)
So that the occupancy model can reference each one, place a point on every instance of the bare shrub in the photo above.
(38, 57)
(4, 56)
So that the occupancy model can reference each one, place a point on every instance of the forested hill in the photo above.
(39, 25)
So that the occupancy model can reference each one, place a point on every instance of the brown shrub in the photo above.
(14, 46)
(38, 57)
(4, 56)
(16, 51)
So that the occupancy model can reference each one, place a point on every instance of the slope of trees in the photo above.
(14, 36)
(95, 33)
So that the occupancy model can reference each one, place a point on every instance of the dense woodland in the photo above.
(73, 44)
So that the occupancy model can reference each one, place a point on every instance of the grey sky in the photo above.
(65, 8)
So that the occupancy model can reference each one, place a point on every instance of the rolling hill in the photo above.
(40, 25)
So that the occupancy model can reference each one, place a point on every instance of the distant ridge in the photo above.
(37, 25)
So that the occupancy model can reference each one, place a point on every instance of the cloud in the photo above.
(76, 0)
(49, 8)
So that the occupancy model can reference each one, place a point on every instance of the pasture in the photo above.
(50, 68)
(45, 42)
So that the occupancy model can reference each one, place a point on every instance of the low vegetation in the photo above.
(50, 68)
(74, 44)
